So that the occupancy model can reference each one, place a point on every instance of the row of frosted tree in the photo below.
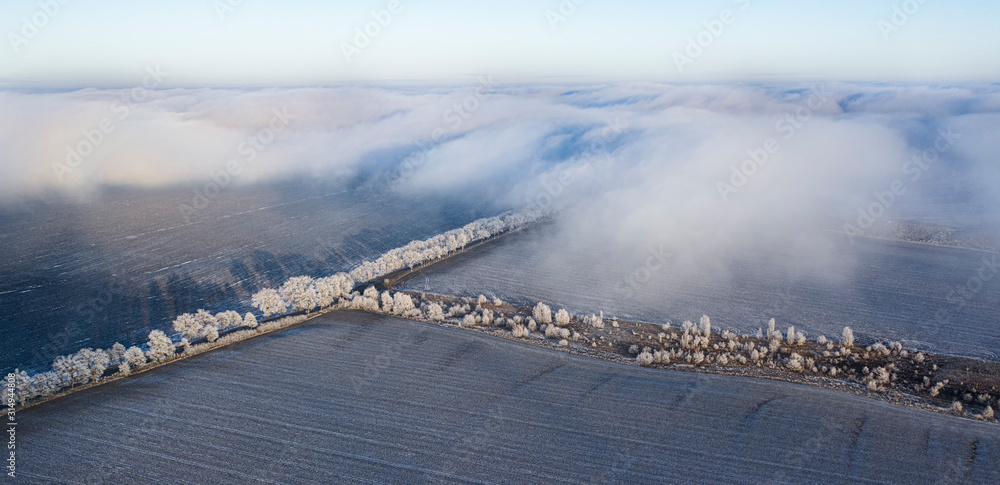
(300, 294)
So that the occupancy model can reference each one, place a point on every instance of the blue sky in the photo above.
(299, 42)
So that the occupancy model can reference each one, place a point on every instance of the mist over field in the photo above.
(713, 177)
(674, 153)
(701, 168)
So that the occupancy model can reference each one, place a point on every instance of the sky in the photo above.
(229, 43)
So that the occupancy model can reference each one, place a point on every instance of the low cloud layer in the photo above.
(640, 161)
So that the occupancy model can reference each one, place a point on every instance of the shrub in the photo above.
(795, 363)
(847, 337)
(644, 359)
(542, 313)
(520, 331)
(562, 318)
(594, 320)
(880, 349)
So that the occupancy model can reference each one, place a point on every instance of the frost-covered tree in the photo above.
(365, 303)
(46, 383)
(94, 361)
(542, 313)
(469, 320)
(457, 310)
(847, 337)
(770, 328)
(70, 369)
(371, 292)
(160, 346)
(790, 336)
(482, 299)
(706, 326)
(249, 320)
(207, 324)
(329, 289)
(211, 333)
(644, 358)
(117, 353)
(23, 386)
(134, 357)
(228, 319)
(401, 303)
(562, 318)
(520, 331)
(387, 301)
(487, 317)
(300, 293)
(188, 326)
(435, 313)
(269, 301)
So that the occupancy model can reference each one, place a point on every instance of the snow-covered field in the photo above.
(355, 397)
(883, 289)
(128, 261)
